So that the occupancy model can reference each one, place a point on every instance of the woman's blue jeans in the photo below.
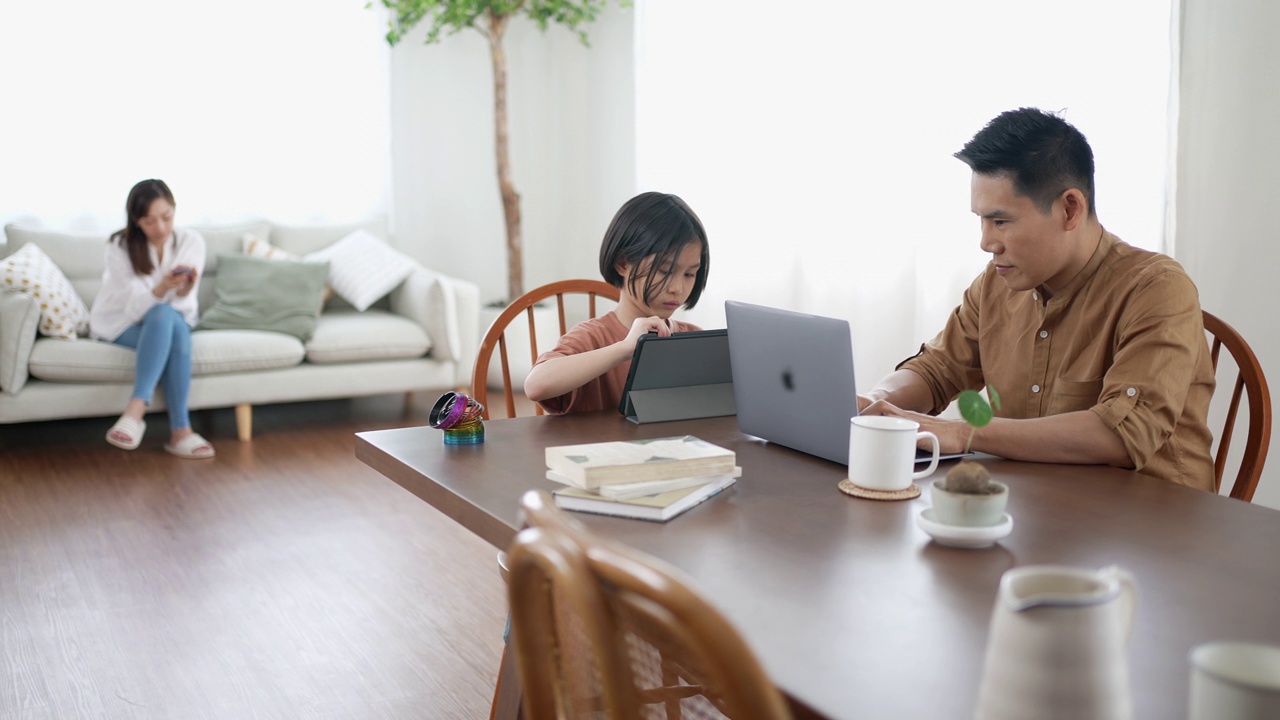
(163, 343)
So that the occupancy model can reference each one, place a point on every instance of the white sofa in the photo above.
(422, 336)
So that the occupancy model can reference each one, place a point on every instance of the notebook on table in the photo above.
(679, 377)
(793, 379)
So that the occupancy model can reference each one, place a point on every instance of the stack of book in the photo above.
(645, 479)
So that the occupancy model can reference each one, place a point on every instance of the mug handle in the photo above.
(933, 463)
(1128, 595)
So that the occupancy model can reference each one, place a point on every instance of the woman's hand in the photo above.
(181, 278)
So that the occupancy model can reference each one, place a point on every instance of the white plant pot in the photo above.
(967, 510)
(546, 324)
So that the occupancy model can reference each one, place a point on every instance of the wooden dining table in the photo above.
(852, 609)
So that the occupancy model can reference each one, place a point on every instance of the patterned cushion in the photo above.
(363, 268)
(31, 272)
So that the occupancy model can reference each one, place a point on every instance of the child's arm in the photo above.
(556, 376)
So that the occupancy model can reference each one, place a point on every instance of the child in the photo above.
(655, 251)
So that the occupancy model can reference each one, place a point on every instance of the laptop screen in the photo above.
(793, 378)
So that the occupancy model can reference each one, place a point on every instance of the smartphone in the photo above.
(183, 270)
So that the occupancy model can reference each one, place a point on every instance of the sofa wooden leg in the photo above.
(244, 422)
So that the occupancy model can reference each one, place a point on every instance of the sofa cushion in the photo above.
(364, 268)
(225, 351)
(372, 335)
(31, 272)
(212, 351)
(260, 294)
(255, 246)
(227, 239)
(306, 239)
(79, 256)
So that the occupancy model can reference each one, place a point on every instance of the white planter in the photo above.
(966, 510)
(546, 323)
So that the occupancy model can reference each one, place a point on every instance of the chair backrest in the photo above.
(496, 337)
(600, 628)
(1249, 379)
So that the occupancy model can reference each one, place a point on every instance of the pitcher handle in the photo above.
(1128, 593)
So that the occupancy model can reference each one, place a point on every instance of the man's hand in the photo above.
(953, 435)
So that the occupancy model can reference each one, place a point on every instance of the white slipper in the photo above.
(130, 432)
(191, 447)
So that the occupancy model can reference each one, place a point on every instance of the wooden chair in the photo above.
(496, 336)
(1250, 379)
(599, 629)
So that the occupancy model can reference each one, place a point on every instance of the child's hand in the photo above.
(644, 326)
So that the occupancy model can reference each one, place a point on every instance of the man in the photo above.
(1096, 348)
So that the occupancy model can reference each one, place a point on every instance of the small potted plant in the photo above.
(968, 496)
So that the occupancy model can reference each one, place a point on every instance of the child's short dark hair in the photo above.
(658, 224)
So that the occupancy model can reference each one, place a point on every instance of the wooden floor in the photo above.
(281, 579)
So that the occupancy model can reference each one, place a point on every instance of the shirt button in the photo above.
(1044, 333)
(1035, 388)
(1131, 392)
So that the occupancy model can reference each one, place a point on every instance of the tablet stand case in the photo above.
(679, 377)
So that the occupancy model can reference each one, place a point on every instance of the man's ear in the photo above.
(1075, 208)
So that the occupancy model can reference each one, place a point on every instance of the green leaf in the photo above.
(995, 397)
(974, 408)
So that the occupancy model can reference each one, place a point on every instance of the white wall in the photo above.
(1228, 176)
(572, 138)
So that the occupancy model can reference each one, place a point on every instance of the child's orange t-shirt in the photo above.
(604, 392)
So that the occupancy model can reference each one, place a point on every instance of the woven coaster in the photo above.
(848, 488)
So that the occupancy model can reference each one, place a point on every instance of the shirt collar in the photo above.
(1086, 273)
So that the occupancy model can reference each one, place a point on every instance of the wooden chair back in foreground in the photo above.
(600, 628)
(1249, 379)
(496, 337)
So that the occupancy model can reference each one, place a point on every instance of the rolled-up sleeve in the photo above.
(1158, 356)
(951, 361)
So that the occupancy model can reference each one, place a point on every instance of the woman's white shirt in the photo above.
(125, 296)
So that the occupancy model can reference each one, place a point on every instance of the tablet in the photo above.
(679, 377)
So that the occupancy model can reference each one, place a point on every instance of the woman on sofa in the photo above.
(148, 303)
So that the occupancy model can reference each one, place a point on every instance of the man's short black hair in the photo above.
(1043, 154)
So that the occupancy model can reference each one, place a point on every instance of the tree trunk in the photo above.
(510, 198)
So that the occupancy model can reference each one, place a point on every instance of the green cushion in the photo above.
(259, 294)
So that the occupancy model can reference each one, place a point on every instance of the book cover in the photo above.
(590, 465)
(657, 508)
(624, 491)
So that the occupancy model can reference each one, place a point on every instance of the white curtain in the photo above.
(273, 108)
(814, 139)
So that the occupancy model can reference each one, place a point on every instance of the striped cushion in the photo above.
(363, 268)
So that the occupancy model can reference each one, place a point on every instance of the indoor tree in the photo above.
(490, 18)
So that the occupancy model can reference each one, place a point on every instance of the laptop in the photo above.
(793, 379)
(679, 377)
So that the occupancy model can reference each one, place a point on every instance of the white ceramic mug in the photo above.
(1058, 645)
(882, 452)
(1235, 681)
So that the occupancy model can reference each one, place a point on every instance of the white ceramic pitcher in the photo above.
(1058, 645)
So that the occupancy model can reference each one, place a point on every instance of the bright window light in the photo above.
(815, 139)
(273, 108)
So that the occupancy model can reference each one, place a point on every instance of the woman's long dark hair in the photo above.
(136, 208)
